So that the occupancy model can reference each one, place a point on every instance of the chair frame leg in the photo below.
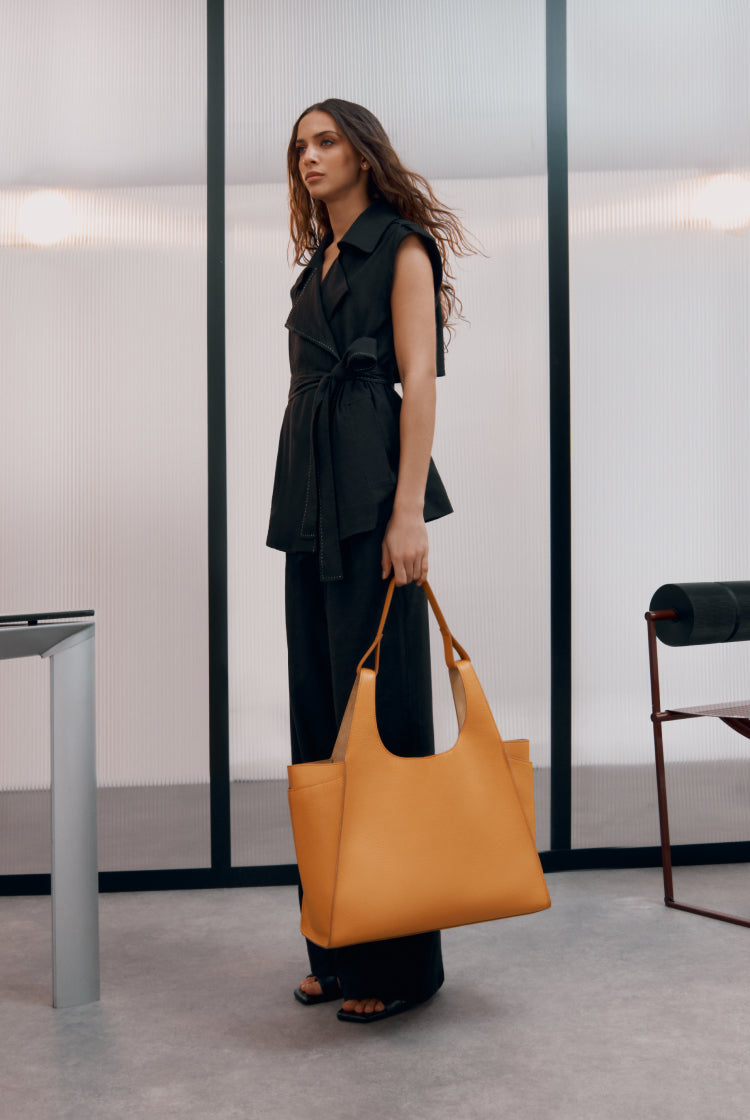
(658, 717)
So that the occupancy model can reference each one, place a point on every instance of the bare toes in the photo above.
(311, 987)
(363, 1006)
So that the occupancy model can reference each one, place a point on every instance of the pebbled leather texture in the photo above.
(390, 846)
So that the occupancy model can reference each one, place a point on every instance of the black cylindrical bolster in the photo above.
(706, 612)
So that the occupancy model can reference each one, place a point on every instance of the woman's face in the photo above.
(329, 166)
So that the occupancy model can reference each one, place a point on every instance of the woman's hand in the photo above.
(405, 547)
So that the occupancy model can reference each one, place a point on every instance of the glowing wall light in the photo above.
(45, 218)
(723, 202)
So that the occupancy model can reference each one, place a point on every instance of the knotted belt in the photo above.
(320, 515)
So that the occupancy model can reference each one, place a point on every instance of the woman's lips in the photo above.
(313, 176)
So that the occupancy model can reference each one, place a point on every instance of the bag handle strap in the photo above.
(449, 642)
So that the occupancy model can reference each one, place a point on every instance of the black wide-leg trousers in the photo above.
(329, 627)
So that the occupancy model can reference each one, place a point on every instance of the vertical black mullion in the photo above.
(218, 660)
(559, 403)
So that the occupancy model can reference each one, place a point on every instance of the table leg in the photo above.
(75, 883)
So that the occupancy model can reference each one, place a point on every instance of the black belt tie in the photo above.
(320, 518)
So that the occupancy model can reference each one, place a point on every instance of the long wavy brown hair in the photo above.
(408, 193)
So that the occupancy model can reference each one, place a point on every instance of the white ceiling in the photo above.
(113, 93)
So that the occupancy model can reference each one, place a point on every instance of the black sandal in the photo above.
(395, 1007)
(329, 989)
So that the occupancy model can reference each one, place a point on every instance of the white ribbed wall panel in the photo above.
(459, 88)
(102, 94)
(660, 295)
(103, 458)
(258, 281)
(658, 85)
(472, 71)
(102, 320)
(106, 94)
(490, 558)
(661, 465)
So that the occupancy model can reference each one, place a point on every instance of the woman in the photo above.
(354, 481)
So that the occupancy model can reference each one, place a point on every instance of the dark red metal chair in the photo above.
(694, 614)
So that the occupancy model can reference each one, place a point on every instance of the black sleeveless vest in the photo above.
(337, 463)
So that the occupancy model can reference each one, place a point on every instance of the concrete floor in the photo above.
(606, 1007)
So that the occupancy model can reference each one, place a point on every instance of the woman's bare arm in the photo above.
(405, 544)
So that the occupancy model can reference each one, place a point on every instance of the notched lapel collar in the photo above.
(362, 237)
(307, 317)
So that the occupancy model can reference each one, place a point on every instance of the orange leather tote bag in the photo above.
(390, 846)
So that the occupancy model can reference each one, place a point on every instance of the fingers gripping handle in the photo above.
(449, 642)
